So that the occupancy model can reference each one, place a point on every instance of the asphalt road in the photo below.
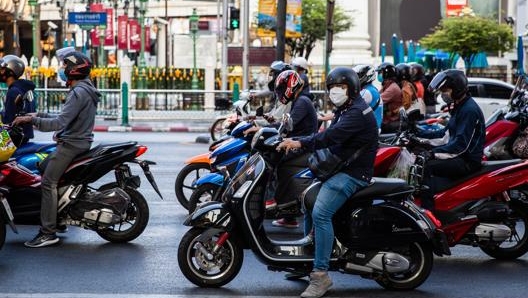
(84, 265)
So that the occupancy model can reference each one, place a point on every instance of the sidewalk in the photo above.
(161, 121)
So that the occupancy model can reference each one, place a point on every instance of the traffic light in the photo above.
(234, 18)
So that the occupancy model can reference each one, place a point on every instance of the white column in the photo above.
(209, 99)
(353, 46)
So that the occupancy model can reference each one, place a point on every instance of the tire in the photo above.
(204, 193)
(183, 185)
(136, 222)
(420, 256)
(519, 237)
(3, 233)
(217, 129)
(215, 273)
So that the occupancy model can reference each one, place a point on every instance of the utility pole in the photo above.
(329, 34)
(281, 29)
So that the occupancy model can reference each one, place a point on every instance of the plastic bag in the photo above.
(401, 166)
(7, 147)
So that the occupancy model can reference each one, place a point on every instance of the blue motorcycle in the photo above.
(32, 154)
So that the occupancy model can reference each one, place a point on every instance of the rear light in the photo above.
(6, 172)
(141, 150)
(435, 220)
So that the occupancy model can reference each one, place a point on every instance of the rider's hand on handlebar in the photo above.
(289, 144)
(251, 130)
(269, 118)
(21, 120)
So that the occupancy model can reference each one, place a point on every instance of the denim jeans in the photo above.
(333, 194)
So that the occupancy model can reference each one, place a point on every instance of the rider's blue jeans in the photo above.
(333, 194)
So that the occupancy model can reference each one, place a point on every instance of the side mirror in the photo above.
(259, 111)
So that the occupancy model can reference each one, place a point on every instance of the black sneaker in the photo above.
(61, 228)
(42, 240)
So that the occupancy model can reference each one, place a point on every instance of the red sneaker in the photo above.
(270, 204)
(285, 223)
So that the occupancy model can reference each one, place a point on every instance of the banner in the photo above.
(122, 32)
(267, 18)
(109, 31)
(453, 7)
(95, 33)
(135, 35)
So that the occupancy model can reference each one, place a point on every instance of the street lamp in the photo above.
(142, 98)
(36, 37)
(193, 24)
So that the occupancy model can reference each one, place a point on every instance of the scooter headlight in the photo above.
(241, 191)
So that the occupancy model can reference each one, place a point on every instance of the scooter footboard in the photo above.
(210, 215)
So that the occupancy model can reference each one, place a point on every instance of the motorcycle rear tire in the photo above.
(216, 129)
(2, 233)
(421, 257)
(190, 260)
(141, 221)
(198, 193)
(180, 180)
(519, 209)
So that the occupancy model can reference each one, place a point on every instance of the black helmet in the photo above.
(14, 66)
(344, 75)
(78, 66)
(275, 69)
(403, 71)
(366, 74)
(417, 71)
(452, 78)
(387, 70)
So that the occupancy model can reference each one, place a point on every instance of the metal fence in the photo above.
(146, 102)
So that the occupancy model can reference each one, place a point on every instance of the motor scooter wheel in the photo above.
(517, 245)
(183, 187)
(420, 256)
(208, 271)
(217, 129)
(2, 233)
(204, 193)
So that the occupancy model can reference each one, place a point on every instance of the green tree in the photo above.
(469, 35)
(314, 27)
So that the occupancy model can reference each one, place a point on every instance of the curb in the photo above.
(117, 128)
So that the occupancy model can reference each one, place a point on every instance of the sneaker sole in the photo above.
(285, 226)
(43, 244)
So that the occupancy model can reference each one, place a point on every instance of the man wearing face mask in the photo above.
(352, 131)
(74, 136)
(458, 148)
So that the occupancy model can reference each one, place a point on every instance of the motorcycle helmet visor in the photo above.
(438, 82)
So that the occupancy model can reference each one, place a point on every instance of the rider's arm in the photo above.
(465, 131)
(70, 110)
(10, 107)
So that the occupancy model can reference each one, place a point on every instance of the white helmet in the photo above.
(300, 62)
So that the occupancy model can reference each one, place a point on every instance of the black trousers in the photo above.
(441, 171)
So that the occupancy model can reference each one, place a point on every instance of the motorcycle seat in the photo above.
(382, 187)
(487, 166)
(31, 147)
(105, 147)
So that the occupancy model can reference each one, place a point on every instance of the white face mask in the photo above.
(338, 96)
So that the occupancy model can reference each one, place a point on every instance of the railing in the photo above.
(146, 102)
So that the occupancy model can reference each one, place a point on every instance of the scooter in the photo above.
(200, 165)
(380, 233)
(485, 209)
(117, 211)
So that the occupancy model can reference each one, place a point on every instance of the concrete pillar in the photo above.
(353, 46)
(209, 99)
(125, 68)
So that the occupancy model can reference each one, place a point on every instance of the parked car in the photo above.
(490, 94)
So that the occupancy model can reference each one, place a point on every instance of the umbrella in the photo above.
(395, 46)
(383, 52)
(411, 55)
(520, 56)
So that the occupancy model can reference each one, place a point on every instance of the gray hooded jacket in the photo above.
(75, 123)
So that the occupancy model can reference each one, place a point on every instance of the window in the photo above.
(497, 91)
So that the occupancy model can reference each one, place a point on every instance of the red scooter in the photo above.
(488, 209)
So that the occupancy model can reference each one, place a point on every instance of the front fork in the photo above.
(219, 243)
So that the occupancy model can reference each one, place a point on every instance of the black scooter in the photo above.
(380, 233)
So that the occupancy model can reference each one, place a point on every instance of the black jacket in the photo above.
(19, 87)
(353, 127)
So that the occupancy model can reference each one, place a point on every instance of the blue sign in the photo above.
(87, 18)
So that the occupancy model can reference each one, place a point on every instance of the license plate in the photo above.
(7, 209)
